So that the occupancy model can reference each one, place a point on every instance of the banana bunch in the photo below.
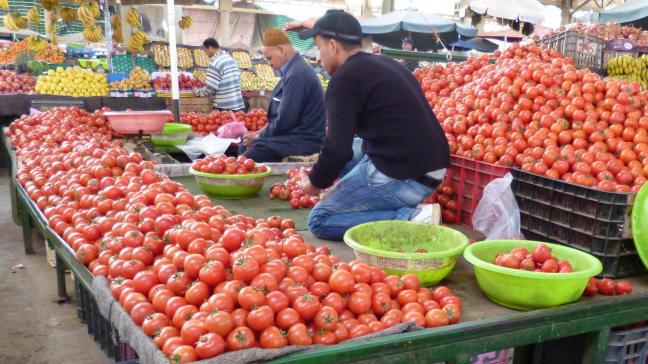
(630, 69)
(92, 33)
(50, 28)
(36, 43)
(49, 4)
(88, 12)
(69, 14)
(22, 22)
(185, 22)
(116, 22)
(33, 15)
(137, 41)
(4, 4)
(11, 21)
(133, 18)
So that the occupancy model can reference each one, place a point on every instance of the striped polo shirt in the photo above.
(224, 82)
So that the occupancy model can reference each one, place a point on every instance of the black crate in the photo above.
(628, 346)
(596, 222)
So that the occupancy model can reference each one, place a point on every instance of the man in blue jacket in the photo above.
(296, 115)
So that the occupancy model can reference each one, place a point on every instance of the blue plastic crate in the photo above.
(628, 346)
(113, 77)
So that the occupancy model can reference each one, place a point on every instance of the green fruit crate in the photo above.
(144, 62)
(122, 63)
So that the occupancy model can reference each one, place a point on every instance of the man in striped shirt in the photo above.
(223, 80)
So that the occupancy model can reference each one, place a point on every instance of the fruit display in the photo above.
(608, 31)
(137, 41)
(254, 120)
(73, 81)
(290, 190)
(251, 82)
(185, 22)
(242, 59)
(200, 58)
(630, 69)
(185, 60)
(446, 197)
(199, 74)
(539, 259)
(607, 287)
(138, 79)
(11, 82)
(185, 82)
(198, 279)
(161, 55)
(264, 71)
(43, 51)
(532, 109)
(221, 164)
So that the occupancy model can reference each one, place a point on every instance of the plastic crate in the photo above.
(609, 54)
(596, 222)
(122, 63)
(628, 346)
(586, 50)
(144, 62)
(468, 178)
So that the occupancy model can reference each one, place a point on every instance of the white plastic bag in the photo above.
(497, 215)
(210, 144)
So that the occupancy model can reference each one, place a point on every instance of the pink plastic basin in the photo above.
(131, 122)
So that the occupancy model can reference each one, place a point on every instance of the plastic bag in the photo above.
(235, 129)
(497, 215)
(210, 144)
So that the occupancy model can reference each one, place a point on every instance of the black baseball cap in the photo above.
(408, 40)
(338, 25)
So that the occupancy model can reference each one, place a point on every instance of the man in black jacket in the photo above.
(402, 154)
(296, 115)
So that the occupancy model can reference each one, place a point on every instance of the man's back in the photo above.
(226, 74)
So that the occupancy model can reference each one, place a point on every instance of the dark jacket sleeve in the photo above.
(343, 105)
(288, 112)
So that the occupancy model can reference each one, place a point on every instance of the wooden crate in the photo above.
(193, 104)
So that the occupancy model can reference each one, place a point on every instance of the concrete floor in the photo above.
(36, 328)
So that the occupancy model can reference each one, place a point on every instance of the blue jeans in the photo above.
(364, 194)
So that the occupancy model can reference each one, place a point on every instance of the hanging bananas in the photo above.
(10, 21)
(92, 33)
(185, 22)
(36, 43)
(137, 41)
(22, 22)
(4, 4)
(133, 18)
(33, 15)
(69, 14)
(49, 4)
(116, 22)
(88, 12)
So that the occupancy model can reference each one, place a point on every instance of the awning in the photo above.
(414, 21)
(530, 11)
(476, 43)
(628, 12)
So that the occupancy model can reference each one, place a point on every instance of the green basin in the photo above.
(640, 224)
(231, 186)
(376, 243)
(526, 290)
(173, 134)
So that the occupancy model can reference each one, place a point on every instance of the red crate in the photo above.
(468, 178)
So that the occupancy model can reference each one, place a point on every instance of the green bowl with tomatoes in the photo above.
(404, 247)
(528, 290)
(231, 186)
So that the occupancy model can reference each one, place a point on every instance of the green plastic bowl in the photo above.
(173, 134)
(376, 243)
(231, 186)
(639, 226)
(526, 290)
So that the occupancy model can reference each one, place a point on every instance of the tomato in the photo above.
(298, 335)
(249, 297)
(361, 273)
(240, 338)
(197, 293)
(164, 334)
(326, 318)
(406, 296)
(173, 304)
(592, 287)
(183, 314)
(359, 330)
(192, 265)
(178, 283)
(272, 338)
(221, 302)
(232, 239)
(184, 354)
(154, 322)
(219, 322)
(245, 268)
(171, 344)
(622, 287)
(277, 301)
(239, 317)
(341, 281)
(131, 268)
(212, 273)
(606, 286)
(415, 317)
(335, 301)
(541, 253)
(453, 312)
(360, 302)
(410, 281)
(209, 346)
(260, 318)
(307, 306)
(140, 311)
(436, 317)
(192, 330)
(440, 292)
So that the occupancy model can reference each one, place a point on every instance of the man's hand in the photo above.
(250, 137)
(306, 185)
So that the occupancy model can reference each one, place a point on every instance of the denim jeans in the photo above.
(364, 194)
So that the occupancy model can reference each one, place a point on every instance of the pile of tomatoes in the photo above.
(290, 190)
(254, 120)
(534, 110)
(199, 280)
(607, 287)
(539, 259)
(222, 164)
(446, 197)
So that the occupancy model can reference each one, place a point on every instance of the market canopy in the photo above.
(629, 12)
(476, 43)
(390, 29)
(529, 11)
